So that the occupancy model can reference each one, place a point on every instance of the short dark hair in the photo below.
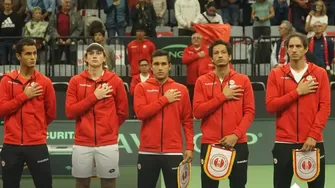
(210, 4)
(302, 38)
(219, 42)
(98, 30)
(23, 42)
(143, 60)
(159, 53)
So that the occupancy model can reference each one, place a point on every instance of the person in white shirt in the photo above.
(209, 16)
(160, 9)
(318, 14)
(186, 11)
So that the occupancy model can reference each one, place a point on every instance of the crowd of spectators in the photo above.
(63, 19)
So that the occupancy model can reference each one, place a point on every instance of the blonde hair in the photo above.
(324, 8)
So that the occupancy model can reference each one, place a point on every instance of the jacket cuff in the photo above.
(164, 100)
(221, 97)
(22, 97)
(92, 98)
(294, 94)
(314, 135)
(238, 133)
(190, 146)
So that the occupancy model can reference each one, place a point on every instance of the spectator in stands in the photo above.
(63, 25)
(209, 16)
(262, 12)
(142, 77)
(138, 49)
(117, 17)
(300, 9)
(281, 11)
(186, 11)
(37, 27)
(74, 4)
(99, 37)
(318, 14)
(279, 56)
(10, 26)
(160, 9)
(87, 4)
(143, 13)
(47, 6)
(330, 4)
(92, 22)
(230, 11)
(321, 47)
(18, 6)
(194, 55)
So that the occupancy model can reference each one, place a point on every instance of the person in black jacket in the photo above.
(143, 13)
(10, 26)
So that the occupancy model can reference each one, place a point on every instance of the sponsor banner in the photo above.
(260, 140)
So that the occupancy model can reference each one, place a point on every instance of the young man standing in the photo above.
(299, 94)
(164, 107)
(142, 77)
(28, 105)
(97, 100)
(224, 100)
(138, 49)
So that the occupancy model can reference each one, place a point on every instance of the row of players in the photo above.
(96, 99)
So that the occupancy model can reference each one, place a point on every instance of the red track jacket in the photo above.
(192, 61)
(26, 120)
(222, 117)
(97, 121)
(298, 117)
(161, 121)
(137, 51)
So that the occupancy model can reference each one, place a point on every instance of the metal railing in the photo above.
(250, 57)
(8, 60)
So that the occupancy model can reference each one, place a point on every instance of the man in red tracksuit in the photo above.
(142, 77)
(224, 100)
(299, 94)
(164, 107)
(28, 105)
(138, 49)
(97, 100)
(194, 56)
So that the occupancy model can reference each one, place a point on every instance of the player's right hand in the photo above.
(232, 93)
(172, 95)
(33, 90)
(307, 87)
(102, 92)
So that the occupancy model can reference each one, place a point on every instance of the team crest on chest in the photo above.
(309, 78)
(231, 83)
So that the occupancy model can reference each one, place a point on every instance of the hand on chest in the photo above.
(87, 88)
